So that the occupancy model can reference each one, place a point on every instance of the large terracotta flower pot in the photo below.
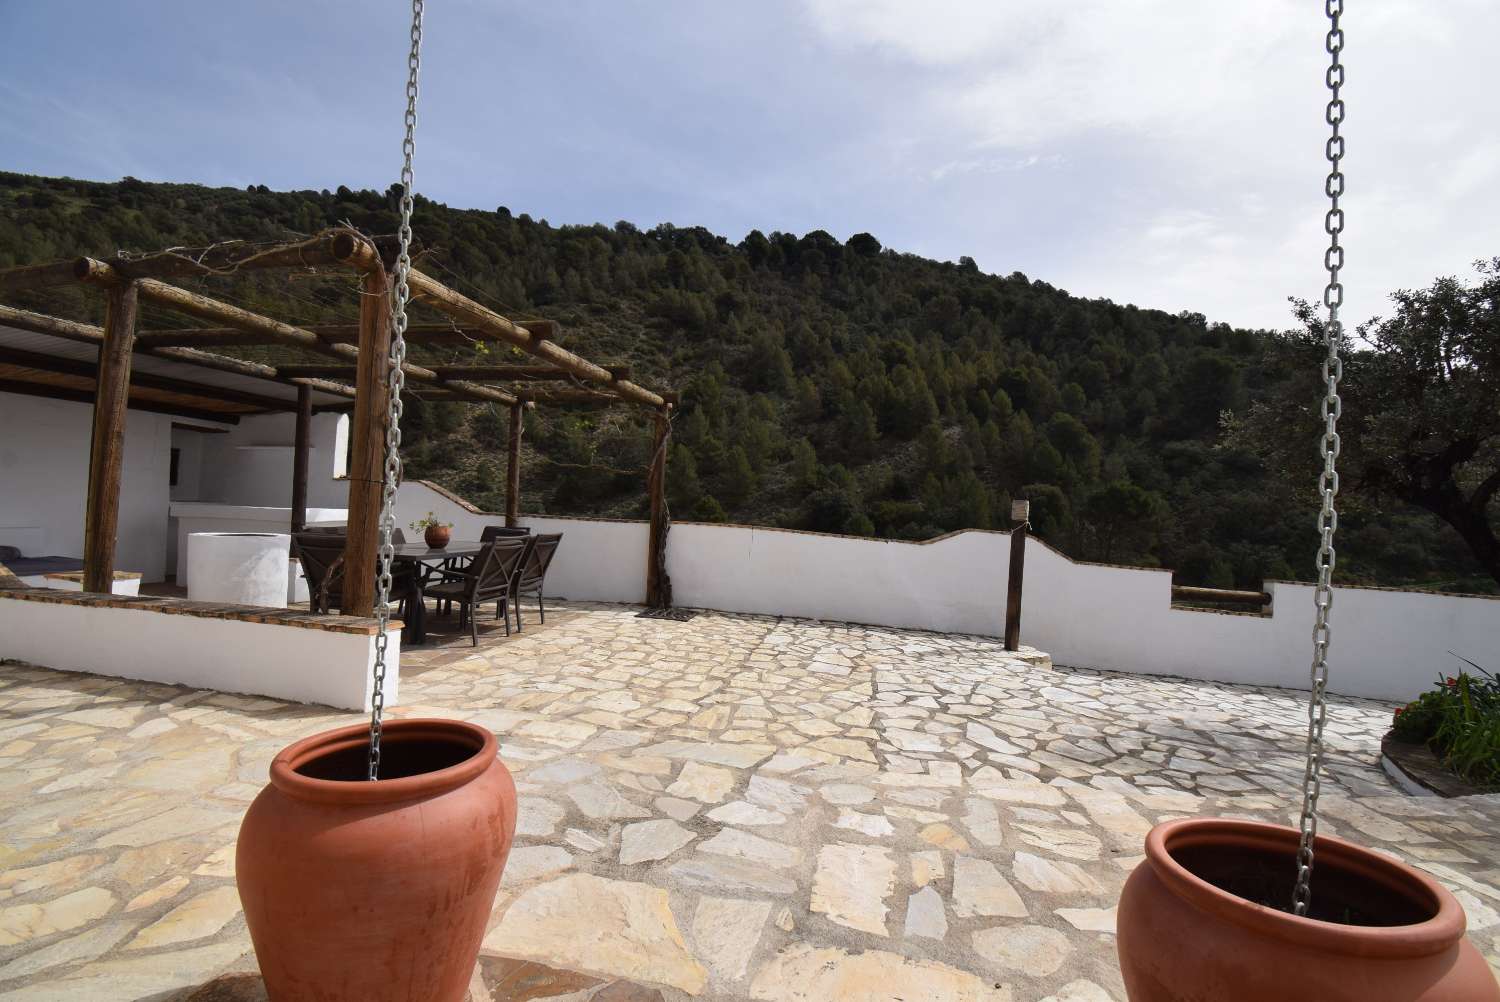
(1190, 928)
(376, 891)
(437, 536)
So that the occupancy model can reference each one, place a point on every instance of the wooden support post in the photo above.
(106, 453)
(1020, 513)
(301, 445)
(513, 468)
(658, 584)
(367, 455)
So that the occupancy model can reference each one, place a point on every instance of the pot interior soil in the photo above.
(398, 759)
(1338, 896)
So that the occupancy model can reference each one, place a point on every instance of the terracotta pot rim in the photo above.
(286, 778)
(1442, 930)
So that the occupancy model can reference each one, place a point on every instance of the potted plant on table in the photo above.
(436, 533)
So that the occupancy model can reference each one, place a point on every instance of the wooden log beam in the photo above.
(519, 373)
(367, 452)
(1189, 593)
(36, 276)
(209, 337)
(570, 395)
(301, 447)
(534, 343)
(107, 449)
(658, 584)
(89, 334)
(332, 248)
(513, 467)
(198, 305)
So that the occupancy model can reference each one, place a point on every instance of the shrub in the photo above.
(1460, 721)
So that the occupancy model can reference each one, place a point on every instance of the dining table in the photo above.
(421, 553)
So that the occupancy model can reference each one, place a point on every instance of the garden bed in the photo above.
(1418, 770)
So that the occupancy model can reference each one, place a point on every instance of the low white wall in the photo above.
(196, 516)
(44, 473)
(1387, 644)
(286, 662)
(597, 561)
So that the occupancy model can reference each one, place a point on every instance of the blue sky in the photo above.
(1163, 153)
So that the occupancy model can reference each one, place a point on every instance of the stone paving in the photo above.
(733, 807)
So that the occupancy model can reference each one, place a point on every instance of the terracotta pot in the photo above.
(437, 536)
(376, 891)
(1183, 937)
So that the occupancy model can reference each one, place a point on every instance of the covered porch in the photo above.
(177, 438)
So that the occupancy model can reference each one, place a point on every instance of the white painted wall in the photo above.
(286, 662)
(1387, 644)
(252, 464)
(44, 458)
(189, 446)
(201, 516)
(597, 561)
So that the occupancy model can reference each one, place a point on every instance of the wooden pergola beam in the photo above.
(443, 333)
(536, 343)
(520, 373)
(194, 304)
(71, 330)
(476, 373)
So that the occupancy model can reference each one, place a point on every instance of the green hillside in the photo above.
(843, 387)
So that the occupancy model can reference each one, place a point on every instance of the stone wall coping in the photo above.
(170, 606)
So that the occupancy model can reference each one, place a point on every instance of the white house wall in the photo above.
(252, 464)
(44, 458)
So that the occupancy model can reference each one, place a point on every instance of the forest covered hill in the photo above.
(827, 385)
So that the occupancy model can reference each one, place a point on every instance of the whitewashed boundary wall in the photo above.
(1388, 644)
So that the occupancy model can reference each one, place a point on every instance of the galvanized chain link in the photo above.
(1328, 479)
(401, 294)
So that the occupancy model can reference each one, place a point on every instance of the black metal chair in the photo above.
(492, 532)
(321, 555)
(488, 579)
(533, 574)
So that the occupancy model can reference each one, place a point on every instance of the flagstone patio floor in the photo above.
(734, 807)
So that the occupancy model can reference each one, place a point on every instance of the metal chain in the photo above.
(1328, 479)
(397, 381)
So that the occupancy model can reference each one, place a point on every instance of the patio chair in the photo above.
(455, 569)
(321, 555)
(493, 532)
(534, 574)
(488, 579)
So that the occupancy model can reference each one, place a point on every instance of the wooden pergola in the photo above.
(356, 376)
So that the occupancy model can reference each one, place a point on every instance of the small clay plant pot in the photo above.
(1206, 916)
(437, 536)
(379, 890)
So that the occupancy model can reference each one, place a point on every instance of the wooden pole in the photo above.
(367, 455)
(513, 468)
(1020, 513)
(106, 452)
(302, 445)
(658, 584)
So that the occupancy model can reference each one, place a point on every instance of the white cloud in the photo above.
(1193, 135)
